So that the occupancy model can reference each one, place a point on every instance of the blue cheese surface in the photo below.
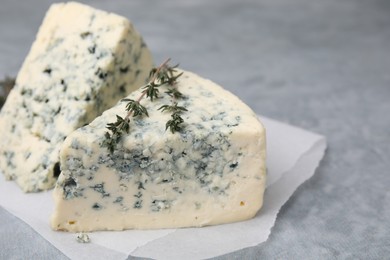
(82, 62)
(212, 172)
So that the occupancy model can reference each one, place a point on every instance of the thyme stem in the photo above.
(143, 93)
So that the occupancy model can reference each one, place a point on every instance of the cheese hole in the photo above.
(56, 170)
(72, 222)
(242, 203)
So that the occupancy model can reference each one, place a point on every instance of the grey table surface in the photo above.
(320, 65)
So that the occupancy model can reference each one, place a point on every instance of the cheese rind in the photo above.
(82, 62)
(212, 172)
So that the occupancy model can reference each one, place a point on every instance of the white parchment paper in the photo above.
(293, 154)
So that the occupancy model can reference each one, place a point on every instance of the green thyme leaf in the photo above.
(151, 90)
(135, 107)
(173, 108)
(175, 123)
(173, 92)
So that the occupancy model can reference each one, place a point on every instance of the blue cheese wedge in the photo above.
(82, 62)
(211, 172)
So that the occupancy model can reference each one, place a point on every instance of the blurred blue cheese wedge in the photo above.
(211, 172)
(82, 62)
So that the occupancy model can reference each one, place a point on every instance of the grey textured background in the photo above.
(320, 65)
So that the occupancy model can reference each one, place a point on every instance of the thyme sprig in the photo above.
(162, 75)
